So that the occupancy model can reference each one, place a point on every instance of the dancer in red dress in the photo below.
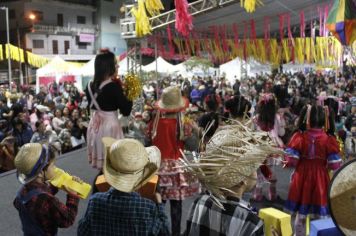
(168, 134)
(312, 150)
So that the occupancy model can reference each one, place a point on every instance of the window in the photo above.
(37, 43)
(113, 19)
(81, 19)
(82, 45)
(60, 19)
(12, 14)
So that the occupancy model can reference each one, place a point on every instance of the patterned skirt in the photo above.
(102, 124)
(175, 184)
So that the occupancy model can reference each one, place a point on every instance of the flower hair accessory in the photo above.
(266, 97)
(104, 50)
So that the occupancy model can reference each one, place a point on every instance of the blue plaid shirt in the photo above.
(118, 213)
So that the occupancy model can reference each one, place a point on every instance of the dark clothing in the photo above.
(46, 210)
(16, 108)
(206, 120)
(111, 98)
(3, 109)
(117, 213)
(237, 218)
(24, 136)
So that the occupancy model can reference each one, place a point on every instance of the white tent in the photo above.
(256, 67)
(123, 65)
(162, 66)
(56, 68)
(87, 69)
(232, 70)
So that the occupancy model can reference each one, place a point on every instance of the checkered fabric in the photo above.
(118, 213)
(206, 218)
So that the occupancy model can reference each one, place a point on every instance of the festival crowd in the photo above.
(310, 116)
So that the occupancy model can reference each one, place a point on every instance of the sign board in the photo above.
(86, 38)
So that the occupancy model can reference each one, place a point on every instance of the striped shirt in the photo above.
(206, 218)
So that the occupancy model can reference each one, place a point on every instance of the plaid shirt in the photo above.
(118, 213)
(206, 218)
(47, 210)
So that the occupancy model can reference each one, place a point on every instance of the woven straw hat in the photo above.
(128, 165)
(231, 156)
(172, 100)
(30, 161)
(342, 198)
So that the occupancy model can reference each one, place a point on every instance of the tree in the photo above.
(200, 63)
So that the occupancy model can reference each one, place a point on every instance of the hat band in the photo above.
(41, 162)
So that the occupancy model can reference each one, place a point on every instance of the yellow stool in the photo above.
(279, 220)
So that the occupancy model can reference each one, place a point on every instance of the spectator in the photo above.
(195, 95)
(3, 109)
(65, 136)
(58, 121)
(22, 132)
(39, 136)
(121, 210)
(15, 109)
(41, 213)
(65, 114)
(72, 104)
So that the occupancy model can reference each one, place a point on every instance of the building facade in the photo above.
(109, 26)
(52, 28)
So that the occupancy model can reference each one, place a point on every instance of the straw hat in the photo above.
(172, 100)
(342, 198)
(128, 165)
(30, 161)
(231, 156)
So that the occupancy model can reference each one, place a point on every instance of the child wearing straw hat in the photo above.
(41, 213)
(227, 169)
(313, 150)
(168, 134)
(121, 210)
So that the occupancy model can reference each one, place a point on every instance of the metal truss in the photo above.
(195, 8)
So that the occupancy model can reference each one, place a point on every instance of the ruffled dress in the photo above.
(174, 183)
(312, 153)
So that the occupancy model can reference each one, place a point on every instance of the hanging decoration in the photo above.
(36, 60)
(184, 20)
(16, 53)
(133, 86)
(1, 53)
(250, 5)
(154, 7)
(143, 26)
(341, 21)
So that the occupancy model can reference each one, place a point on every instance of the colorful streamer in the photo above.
(154, 7)
(184, 20)
(143, 26)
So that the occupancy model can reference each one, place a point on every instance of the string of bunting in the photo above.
(22, 56)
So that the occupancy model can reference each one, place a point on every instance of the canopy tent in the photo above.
(55, 70)
(123, 65)
(256, 67)
(231, 70)
(87, 69)
(163, 66)
(293, 68)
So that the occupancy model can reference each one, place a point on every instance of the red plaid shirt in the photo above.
(47, 210)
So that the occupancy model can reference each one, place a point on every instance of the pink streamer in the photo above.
(302, 24)
(184, 20)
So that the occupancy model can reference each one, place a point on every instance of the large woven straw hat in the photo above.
(231, 156)
(30, 161)
(128, 165)
(172, 100)
(342, 198)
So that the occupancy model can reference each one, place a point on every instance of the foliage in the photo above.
(200, 63)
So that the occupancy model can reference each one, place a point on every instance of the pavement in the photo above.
(76, 163)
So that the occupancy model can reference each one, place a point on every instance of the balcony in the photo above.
(52, 29)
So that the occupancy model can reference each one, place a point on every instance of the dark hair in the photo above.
(237, 106)
(211, 102)
(317, 119)
(17, 121)
(37, 124)
(266, 112)
(104, 65)
(66, 123)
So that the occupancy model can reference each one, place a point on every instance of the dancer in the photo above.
(270, 120)
(167, 132)
(105, 97)
(312, 150)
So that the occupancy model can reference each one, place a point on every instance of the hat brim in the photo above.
(182, 105)
(130, 182)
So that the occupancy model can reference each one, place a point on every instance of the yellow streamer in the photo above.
(154, 7)
(143, 26)
(1, 53)
(250, 5)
